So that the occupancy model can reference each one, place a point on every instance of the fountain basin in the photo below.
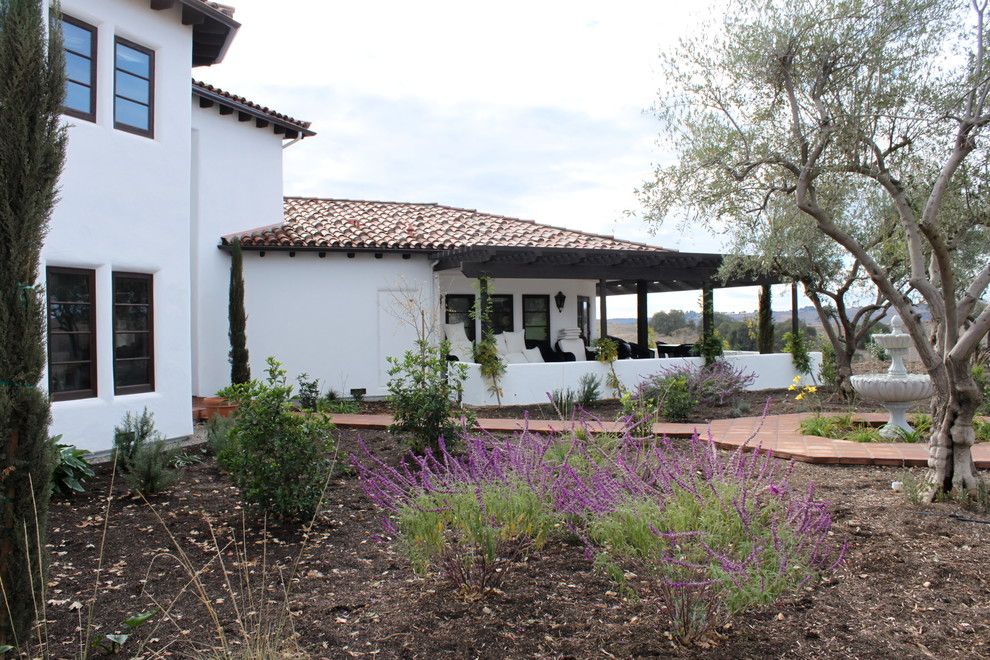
(895, 342)
(893, 389)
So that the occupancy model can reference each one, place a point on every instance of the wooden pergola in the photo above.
(618, 272)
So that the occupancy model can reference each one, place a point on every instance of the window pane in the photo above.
(66, 317)
(78, 69)
(77, 38)
(128, 373)
(502, 313)
(77, 97)
(132, 290)
(133, 61)
(127, 317)
(535, 304)
(132, 87)
(69, 348)
(131, 344)
(68, 377)
(68, 287)
(131, 114)
(537, 333)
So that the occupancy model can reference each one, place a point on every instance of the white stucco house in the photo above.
(163, 172)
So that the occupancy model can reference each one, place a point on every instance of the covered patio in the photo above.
(616, 272)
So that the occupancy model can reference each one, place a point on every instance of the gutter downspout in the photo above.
(290, 143)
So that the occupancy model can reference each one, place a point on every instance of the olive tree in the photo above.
(787, 99)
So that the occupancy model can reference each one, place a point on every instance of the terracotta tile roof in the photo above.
(252, 107)
(363, 225)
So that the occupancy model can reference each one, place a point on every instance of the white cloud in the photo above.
(531, 109)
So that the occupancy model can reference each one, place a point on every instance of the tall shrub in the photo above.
(32, 150)
(765, 336)
(240, 369)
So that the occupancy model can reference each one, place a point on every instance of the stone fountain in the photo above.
(896, 389)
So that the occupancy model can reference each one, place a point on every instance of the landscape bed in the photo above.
(913, 583)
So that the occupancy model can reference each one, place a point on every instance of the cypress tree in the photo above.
(765, 321)
(240, 369)
(32, 150)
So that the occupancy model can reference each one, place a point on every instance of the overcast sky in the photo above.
(537, 110)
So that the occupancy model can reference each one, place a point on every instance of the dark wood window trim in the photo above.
(469, 322)
(144, 387)
(584, 317)
(507, 298)
(546, 306)
(150, 133)
(90, 116)
(69, 395)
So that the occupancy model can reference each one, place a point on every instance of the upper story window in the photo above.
(71, 333)
(134, 88)
(79, 42)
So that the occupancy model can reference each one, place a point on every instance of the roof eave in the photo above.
(291, 131)
(213, 30)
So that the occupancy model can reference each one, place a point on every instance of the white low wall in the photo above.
(527, 384)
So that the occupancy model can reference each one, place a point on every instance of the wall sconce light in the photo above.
(559, 300)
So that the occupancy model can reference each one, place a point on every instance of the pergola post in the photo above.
(707, 312)
(794, 310)
(483, 304)
(765, 321)
(642, 326)
(602, 309)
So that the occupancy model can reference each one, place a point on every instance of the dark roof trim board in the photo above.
(288, 127)
(213, 27)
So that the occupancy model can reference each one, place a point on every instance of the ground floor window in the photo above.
(458, 310)
(71, 333)
(133, 333)
(536, 319)
(503, 318)
(584, 317)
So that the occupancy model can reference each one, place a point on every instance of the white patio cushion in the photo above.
(533, 354)
(575, 346)
(515, 358)
(460, 346)
(514, 342)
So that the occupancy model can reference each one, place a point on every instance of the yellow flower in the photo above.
(811, 389)
(799, 396)
(797, 379)
(792, 388)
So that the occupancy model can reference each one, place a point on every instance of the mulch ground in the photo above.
(915, 583)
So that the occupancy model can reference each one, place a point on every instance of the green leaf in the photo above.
(73, 483)
(140, 619)
(118, 640)
(6, 648)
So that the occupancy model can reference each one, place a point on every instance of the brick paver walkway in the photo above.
(778, 433)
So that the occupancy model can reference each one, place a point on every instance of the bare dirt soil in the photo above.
(915, 583)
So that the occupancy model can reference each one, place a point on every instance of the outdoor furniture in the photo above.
(512, 348)
(461, 348)
(674, 350)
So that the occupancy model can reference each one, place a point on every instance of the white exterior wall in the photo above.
(124, 205)
(236, 185)
(322, 316)
(526, 384)
(455, 282)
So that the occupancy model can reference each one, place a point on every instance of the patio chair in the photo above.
(461, 348)
(512, 348)
(576, 349)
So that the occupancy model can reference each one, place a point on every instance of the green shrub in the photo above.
(563, 402)
(473, 534)
(338, 406)
(741, 409)
(981, 374)
(424, 392)
(71, 469)
(150, 470)
(828, 373)
(142, 454)
(794, 343)
(218, 436)
(279, 459)
(589, 390)
(309, 392)
(676, 401)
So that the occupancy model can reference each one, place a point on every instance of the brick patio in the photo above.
(778, 433)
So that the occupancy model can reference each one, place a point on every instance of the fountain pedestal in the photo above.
(896, 389)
